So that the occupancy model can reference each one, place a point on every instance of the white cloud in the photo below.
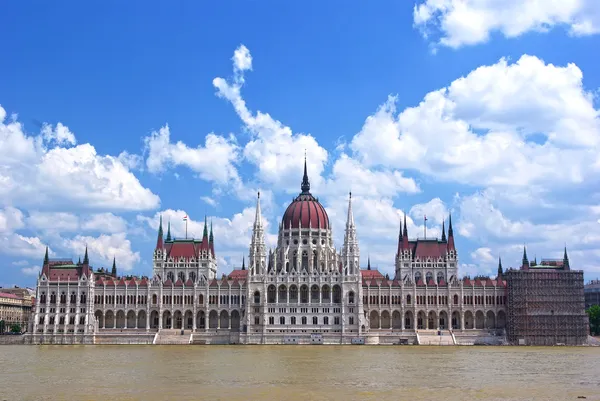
(32, 174)
(20, 263)
(59, 134)
(61, 222)
(242, 60)
(31, 271)
(468, 22)
(435, 209)
(22, 246)
(348, 174)
(103, 249)
(104, 222)
(213, 162)
(53, 221)
(277, 152)
(208, 200)
(482, 255)
(11, 219)
(474, 131)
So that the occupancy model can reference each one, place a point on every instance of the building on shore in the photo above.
(303, 291)
(592, 293)
(15, 307)
(546, 304)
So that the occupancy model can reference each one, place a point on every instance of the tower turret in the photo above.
(443, 231)
(46, 258)
(525, 262)
(114, 267)
(86, 260)
(350, 249)
(159, 240)
(451, 246)
(566, 265)
(258, 251)
(500, 272)
(169, 231)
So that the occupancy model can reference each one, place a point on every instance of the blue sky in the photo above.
(114, 113)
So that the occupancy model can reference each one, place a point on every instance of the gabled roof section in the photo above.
(370, 274)
(238, 274)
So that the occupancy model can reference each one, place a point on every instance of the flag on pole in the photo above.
(185, 218)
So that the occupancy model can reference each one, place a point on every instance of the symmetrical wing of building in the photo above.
(304, 290)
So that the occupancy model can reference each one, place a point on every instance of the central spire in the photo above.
(305, 183)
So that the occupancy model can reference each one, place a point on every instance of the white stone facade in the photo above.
(302, 288)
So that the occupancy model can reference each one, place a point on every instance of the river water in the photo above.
(298, 373)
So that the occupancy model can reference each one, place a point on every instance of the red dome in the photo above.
(305, 210)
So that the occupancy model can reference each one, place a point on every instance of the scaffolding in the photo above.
(546, 307)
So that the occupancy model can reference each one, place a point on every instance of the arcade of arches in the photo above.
(185, 320)
(436, 321)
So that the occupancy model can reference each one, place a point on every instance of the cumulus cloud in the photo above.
(32, 173)
(476, 130)
(274, 149)
(31, 271)
(103, 249)
(64, 222)
(213, 162)
(456, 23)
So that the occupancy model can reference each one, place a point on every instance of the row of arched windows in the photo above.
(324, 294)
(63, 298)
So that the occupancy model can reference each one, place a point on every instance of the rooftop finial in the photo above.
(305, 187)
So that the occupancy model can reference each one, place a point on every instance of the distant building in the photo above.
(592, 293)
(546, 304)
(15, 307)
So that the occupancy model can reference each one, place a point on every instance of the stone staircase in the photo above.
(480, 337)
(431, 337)
(170, 336)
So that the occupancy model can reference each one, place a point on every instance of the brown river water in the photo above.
(298, 373)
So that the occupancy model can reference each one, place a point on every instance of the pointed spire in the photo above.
(535, 260)
(79, 261)
(305, 183)
(566, 265)
(46, 258)
(159, 240)
(114, 267)
(205, 233)
(350, 219)
(86, 260)
(443, 231)
(500, 272)
(169, 231)
(525, 260)
(258, 215)
(210, 238)
(450, 234)
(405, 232)
(244, 262)
(369, 263)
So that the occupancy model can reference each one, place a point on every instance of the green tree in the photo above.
(594, 316)
(15, 328)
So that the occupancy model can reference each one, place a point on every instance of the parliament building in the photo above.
(302, 292)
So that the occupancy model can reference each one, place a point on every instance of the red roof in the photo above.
(368, 274)
(429, 249)
(7, 295)
(237, 274)
(305, 210)
(179, 283)
(442, 283)
(189, 283)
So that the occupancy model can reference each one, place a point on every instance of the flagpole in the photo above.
(186, 220)
(425, 226)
